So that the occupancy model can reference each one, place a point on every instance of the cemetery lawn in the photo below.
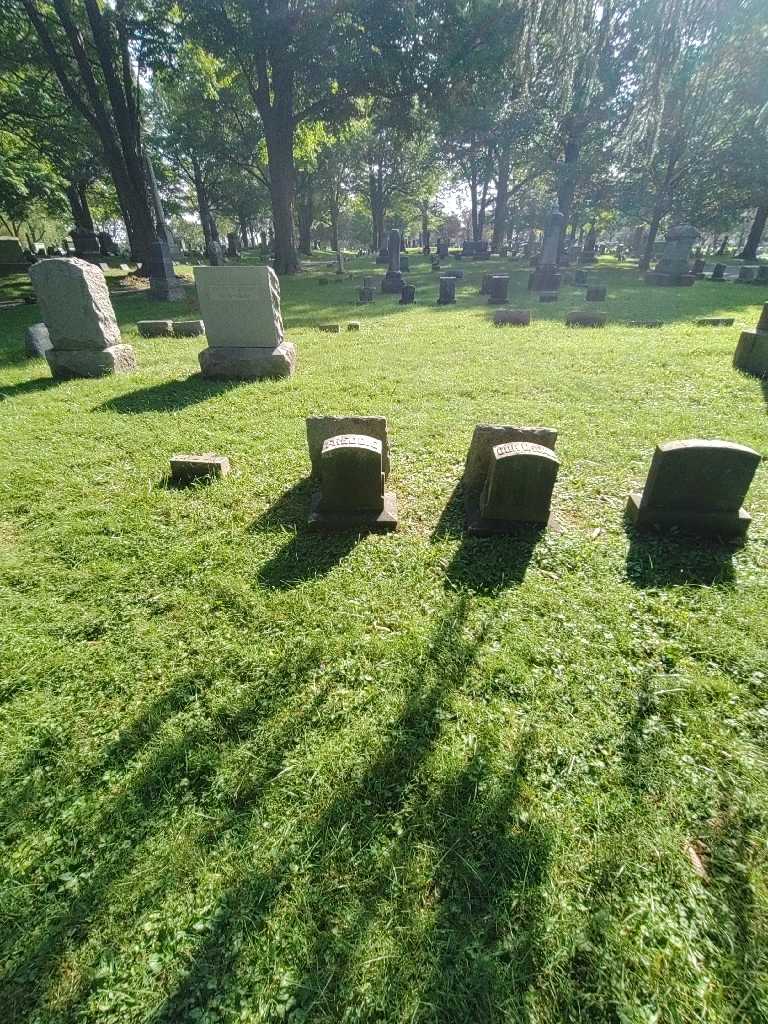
(256, 774)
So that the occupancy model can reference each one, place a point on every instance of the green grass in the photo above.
(254, 774)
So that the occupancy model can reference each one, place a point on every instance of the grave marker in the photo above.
(185, 469)
(514, 317)
(447, 294)
(37, 341)
(499, 289)
(751, 355)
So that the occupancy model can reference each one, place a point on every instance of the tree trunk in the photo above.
(279, 136)
(502, 202)
(425, 228)
(723, 246)
(203, 205)
(566, 188)
(749, 252)
(78, 204)
(653, 230)
(306, 216)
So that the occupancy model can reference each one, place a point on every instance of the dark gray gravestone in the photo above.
(364, 295)
(485, 284)
(392, 282)
(447, 291)
(597, 293)
(515, 317)
(499, 288)
(548, 296)
(580, 277)
(698, 268)
(582, 318)
(352, 495)
(696, 486)
(751, 355)
(762, 274)
(519, 479)
(715, 321)
(718, 274)
(407, 295)
(747, 275)
(163, 283)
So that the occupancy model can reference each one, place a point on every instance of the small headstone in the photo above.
(698, 268)
(233, 245)
(580, 278)
(485, 284)
(407, 295)
(548, 296)
(718, 273)
(696, 486)
(36, 341)
(353, 325)
(457, 274)
(597, 293)
(330, 328)
(351, 474)
(514, 317)
(240, 308)
(442, 249)
(581, 318)
(762, 274)
(12, 259)
(747, 275)
(322, 280)
(77, 310)
(155, 328)
(365, 295)
(715, 321)
(447, 294)
(188, 328)
(645, 323)
(672, 268)
(751, 354)
(185, 469)
(499, 288)
(435, 264)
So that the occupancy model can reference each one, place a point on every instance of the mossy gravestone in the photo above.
(697, 486)
(78, 313)
(243, 324)
(352, 496)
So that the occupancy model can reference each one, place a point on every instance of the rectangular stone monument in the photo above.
(240, 307)
(392, 282)
(697, 486)
(718, 272)
(518, 488)
(11, 256)
(442, 249)
(351, 470)
(673, 268)
(155, 328)
(78, 313)
(596, 293)
(498, 289)
(185, 469)
(514, 317)
(188, 328)
(407, 295)
(163, 283)
(751, 355)
(447, 294)
(747, 275)
(548, 296)
(365, 295)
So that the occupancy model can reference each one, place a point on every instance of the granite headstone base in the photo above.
(229, 363)
(66, 364)
(335, 521)
(714, 524)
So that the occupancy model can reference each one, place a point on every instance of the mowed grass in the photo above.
(255, 774)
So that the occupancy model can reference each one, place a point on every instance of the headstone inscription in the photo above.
(392, 282)
(697, 486)
(751, 355)
(78, 313)
(499, 289)
(163, 283)
(447, 294)
(240, 307)
(351, 469)
(672, 268)
(508, 478)
(546, 277)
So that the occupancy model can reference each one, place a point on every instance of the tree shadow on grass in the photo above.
(657, 561)
(169, 396)
(485, 565)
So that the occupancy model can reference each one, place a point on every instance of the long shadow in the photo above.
(290, 509)
(169, 396)
(27, 387)
(485, 565)
(305, 557)
(657, 561)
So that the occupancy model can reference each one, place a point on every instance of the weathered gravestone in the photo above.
(513, 317)
(751, 354)
(697, 486)
(698, 268)
(155, 328)
(240, 307)
(508, 478)
(546, 278)
(498, 290)
(37, 341)
(78, 313)
(718, 272)
(673, 268)
(407, 295)
(747, 275)
(188, 328)
(186, 469)
(596, 293)
(580, 277)
(11, 256)
(392, 282)
(405, 263)
(583, 318)
(447, 294)
(365, 295)
(382, 259)
(86, 242)
(762, 274)
(351, 468)
(163, 283)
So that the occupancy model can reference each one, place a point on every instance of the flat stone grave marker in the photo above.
(240, 308)
(77, 310)
(330, 328)
(718, 272)
(447, 294)
(188, 328)
(352, 494)
(645, 323)
(581, 318)
(548, 296)
(155, 328)
(353, 325)
(715, 321)
(751, 355)
(37, 341)
(185, 469)
(457, 274)
(596, 293)
(513, 317)
(697, 486)
(747, 275)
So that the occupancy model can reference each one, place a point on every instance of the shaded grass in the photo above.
(256, 774)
